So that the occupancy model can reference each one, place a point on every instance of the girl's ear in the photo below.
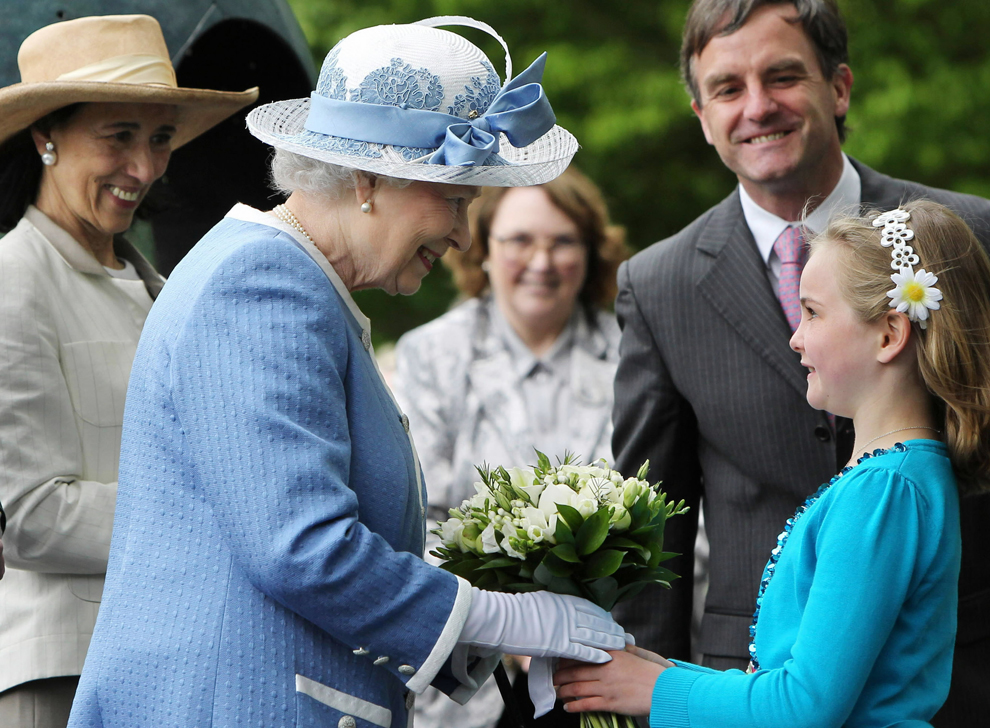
(895, 335)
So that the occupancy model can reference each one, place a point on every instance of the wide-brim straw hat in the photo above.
(108, 58)
(416, 102)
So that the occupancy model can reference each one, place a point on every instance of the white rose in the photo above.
(450, 532)
(621, 519)
(587, 506)
(509, 531)
(467, 539)
(524, 480)
(554, 494)
(488, 543)
(534, 518)
(632, 489)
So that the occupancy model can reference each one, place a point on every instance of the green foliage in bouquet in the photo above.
(569, 529)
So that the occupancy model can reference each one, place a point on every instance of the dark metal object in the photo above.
(508, 697)
(228, 45)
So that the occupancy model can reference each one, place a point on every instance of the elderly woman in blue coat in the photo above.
(266, 562)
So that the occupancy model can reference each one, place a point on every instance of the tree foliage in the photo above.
(920, 109)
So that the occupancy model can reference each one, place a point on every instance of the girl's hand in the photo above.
(624, 685)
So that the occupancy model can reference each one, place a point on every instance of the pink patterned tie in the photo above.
(791, 249)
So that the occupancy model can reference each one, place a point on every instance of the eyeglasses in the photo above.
(522, 247)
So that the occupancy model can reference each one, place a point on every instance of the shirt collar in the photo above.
(523, 358)
(84, 261)
(247, 213)
(767, 227)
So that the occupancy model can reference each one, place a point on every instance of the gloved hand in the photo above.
(541, 670)
(541, 624)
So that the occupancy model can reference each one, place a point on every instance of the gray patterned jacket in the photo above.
(456, 379)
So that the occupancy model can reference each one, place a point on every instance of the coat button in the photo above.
(347, 722)
(361, 651)
(823, 433)
(381, 660)
(365, 339)
(405, 423)
(407, 669)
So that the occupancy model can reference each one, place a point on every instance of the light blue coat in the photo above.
(266, 562)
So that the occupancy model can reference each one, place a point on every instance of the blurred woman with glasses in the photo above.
(527, 361)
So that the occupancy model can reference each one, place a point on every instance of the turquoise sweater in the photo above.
(858, 622)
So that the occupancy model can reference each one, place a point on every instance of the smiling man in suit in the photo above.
(707, 387)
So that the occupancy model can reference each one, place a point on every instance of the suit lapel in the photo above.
(733, 278)
(878, 190)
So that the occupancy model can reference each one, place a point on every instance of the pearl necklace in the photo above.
(284, 214)
(899, 429)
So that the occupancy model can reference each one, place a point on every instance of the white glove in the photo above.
(541, 624)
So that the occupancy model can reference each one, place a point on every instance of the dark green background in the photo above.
(920, 110)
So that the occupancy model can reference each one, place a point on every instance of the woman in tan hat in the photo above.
(84, 135)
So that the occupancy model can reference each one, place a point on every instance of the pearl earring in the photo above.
(485, 266)
(48, 157)
(366, 206)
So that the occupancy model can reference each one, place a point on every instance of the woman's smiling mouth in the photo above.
(124, 195)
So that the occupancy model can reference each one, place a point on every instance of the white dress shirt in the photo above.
(766, 227)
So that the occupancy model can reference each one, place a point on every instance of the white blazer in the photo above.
(68, 332)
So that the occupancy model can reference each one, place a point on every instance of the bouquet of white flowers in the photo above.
(570, 529)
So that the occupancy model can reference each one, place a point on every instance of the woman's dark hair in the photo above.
(577, 197)
(20, 167)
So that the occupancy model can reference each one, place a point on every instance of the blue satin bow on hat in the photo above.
(521, 111)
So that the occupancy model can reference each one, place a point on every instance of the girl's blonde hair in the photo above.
(954, 351)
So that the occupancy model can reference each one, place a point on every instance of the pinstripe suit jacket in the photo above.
(709, 390)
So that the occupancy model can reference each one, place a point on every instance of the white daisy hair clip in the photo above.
(913, 292)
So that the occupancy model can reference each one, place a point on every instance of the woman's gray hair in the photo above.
(291, 172)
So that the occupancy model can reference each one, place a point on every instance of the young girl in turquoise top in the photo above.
(856, 614)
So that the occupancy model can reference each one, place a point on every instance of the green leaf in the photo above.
(665, 574)
(574, 519)
(487, 580)
(656, 551)
(504, 577)
(556, 566)
(593, 532)
(605, 591)
(602, 563)
(629, 591)
(465, 569)
(563, 534)
(500, 561)
(542, 575)
(618, 542)
(562, 585)
(566, 552)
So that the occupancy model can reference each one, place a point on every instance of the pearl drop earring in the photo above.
(366, 206)
(49, 157)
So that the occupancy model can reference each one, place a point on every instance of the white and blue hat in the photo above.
(416, 102)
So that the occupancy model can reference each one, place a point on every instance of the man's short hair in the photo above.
(820, 19)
